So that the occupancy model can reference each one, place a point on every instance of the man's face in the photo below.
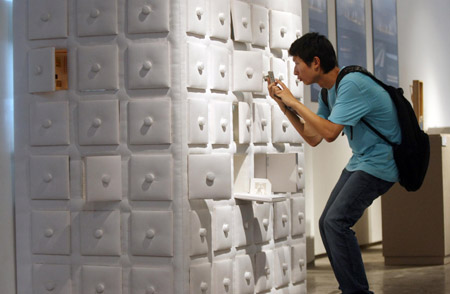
(304, 73)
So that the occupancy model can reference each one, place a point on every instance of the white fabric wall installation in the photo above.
(126, 181)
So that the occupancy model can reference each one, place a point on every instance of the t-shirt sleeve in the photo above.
(323, 110)
(350, 106)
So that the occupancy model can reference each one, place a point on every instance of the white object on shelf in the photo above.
(260, 198)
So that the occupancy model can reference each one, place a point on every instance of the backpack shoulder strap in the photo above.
(356, 68)
(324, 95)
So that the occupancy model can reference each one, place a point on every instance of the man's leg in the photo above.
(357, 193)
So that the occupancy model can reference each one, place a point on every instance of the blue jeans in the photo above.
(353, 193)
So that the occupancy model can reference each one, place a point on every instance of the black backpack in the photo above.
(412, 155)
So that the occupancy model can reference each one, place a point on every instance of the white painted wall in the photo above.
(7, 260)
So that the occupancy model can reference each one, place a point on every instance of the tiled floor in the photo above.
(383, 279)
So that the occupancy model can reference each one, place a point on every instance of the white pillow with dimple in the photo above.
(98, 68)
(197, 17)
(152, 233)
(209, 176)
(197, 65)
(219, 19)
(200, 232)
(49, 123)
(101, 279)
(263, 226)
(148, 16)
(295, 85)
(149, 121)
(244, 274)
(247, 71)
(97, 17)
(200, 278)
(298, 254)
(49, 177)
(223, 276)
(294, 7)
(260, 25)
(281, 220)
(298, 216)
(266, 68)
(301, 169)
(52, 278)
(280, 69)
(50, 232)
(281, 31)
(47, 19)
(220, 121)
(158, 279)
(100, 233)
(261, 122)
(242, 22)
(198, 121)
(148, 65)
(222, 227)
(243, 225)
(282, 266)
(264, 270)
(282, 129)
(151, 177)
(219, 69)
(103, 178)
(41, 70)
(244, 123)
(297, 26)
(98, 122)
(280, 5)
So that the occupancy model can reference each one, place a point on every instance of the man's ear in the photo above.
(316, 63)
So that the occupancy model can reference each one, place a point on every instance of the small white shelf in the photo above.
(260, 198)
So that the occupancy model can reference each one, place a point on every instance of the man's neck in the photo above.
(329, 79)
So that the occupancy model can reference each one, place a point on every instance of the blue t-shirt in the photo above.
(359, 96)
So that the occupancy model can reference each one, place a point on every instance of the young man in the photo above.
(371, 170)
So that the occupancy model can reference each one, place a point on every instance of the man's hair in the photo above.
(314, 44)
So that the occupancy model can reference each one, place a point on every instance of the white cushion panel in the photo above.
(281, 31)
(209, 176)
(47, 19)
(49, 123)
(150, 121)
(223, 276)
(152, 280)
(41, 70)
(49, 177)
(151, 177)
(197, 65)
(98, 122)
(261, 122)
(219, 19)
(50, 232)
(281, 220)
(222, 229)
(100, 233)
(282, 171)
(200, 279)
(152, 233)
(298, 289)
(103, 178)
(295, 85)
(101, 279)
(298, 262)
(247, 71)
(219, 69)
(220, 121)
(243, 123)
(243, 225)
(198, 121)
(96, 17)
(200, 232)
(280, 69)
(197, 17)
(148, 65)
(244, 279)
(298, 216)
(301, 170)
(264, 271)
(98, 68)
(282, 266)
(260, 26)
(282, 129)
(148, 16)
(52, 278)
(242, 21)
(263, 222)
